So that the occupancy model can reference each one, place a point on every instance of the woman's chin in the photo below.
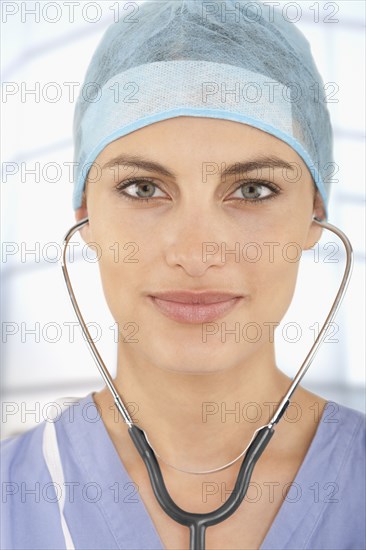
(200, 361)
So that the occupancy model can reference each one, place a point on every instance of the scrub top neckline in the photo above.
(103, 460)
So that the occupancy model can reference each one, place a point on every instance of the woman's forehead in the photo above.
(187, 138)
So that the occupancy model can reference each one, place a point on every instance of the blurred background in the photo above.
(44, 356)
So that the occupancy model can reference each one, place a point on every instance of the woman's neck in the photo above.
(198, 421)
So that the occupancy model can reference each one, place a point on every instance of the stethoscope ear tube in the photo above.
(198, 523)
(332, 313)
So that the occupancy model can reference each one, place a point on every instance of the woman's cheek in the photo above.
(124, 271)
(272, 285)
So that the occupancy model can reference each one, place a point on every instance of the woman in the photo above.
(199, 154)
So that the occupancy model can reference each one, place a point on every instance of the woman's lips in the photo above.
(194, 313)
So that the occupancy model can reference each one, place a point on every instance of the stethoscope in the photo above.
(198, 523)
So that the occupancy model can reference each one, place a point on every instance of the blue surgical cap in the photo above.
(240, 61)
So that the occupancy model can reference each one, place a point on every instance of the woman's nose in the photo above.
(196, 242)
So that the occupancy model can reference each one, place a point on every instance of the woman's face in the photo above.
(201, 229)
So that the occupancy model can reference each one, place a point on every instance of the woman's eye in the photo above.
(253, 191)
(145, 190)
(250, 192)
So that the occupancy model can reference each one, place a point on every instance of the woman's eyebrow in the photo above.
(236, 168)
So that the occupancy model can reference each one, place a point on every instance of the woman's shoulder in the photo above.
(336, 409)
(24, 452)
(30, 512)
(324, 507)
(340, 450)
(338, 480)
(342, 434)
(349, 423)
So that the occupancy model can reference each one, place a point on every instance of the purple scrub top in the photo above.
(64, 486)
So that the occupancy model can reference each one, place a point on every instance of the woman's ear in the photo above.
(315, 230)
(80, 214)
